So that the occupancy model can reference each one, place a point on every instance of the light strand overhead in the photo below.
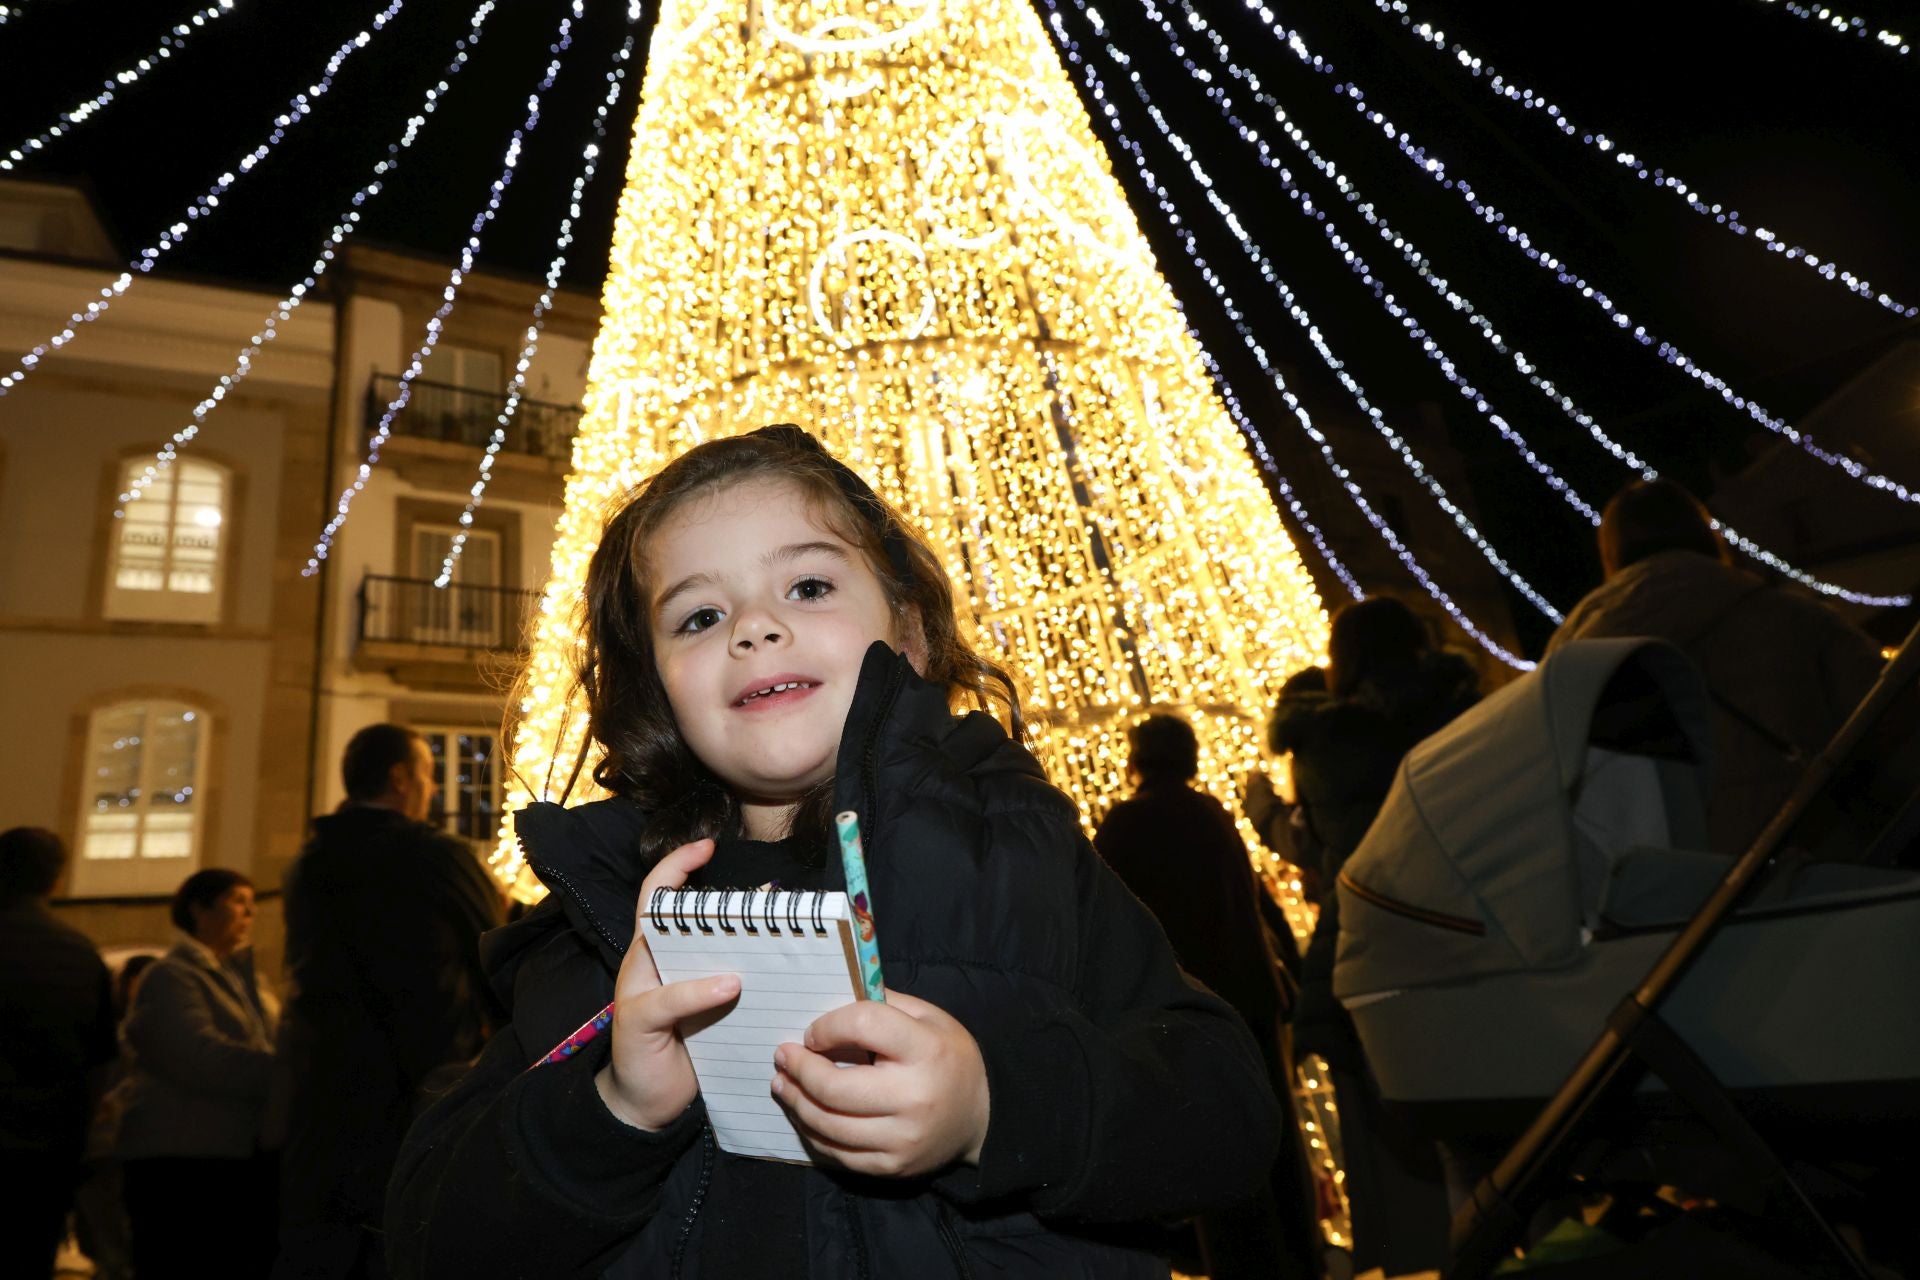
(436, 323)
(203, 207)
(344, 225)
(1634, 162)
(1845, 24)
(81, 112)
(1304, 319)
(1096, 90)
(1436, 170)
(1409, 323)
(530, 341)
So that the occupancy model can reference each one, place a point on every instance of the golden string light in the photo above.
(893, 224)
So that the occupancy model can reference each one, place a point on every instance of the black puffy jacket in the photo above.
(1120, 1091)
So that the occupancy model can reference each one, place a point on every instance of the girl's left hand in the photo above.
(920, 1106)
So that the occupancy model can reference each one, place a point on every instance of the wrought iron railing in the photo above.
(436, 411)
(414, 611)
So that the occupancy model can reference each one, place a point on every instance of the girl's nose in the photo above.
(755, 630)
(748, 639)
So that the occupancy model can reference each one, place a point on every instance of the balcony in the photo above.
(456, 415)
(459, 637)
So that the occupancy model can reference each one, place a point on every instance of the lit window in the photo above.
(463, 367)
(141, 798)
(167, 543)
(469, 611)
(466, 765)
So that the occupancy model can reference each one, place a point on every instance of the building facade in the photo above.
(176, 693)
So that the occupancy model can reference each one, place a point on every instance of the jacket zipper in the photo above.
(579, 899)
(869, 753)
(856, 1236)
(699, 1198)
(950, 1237)
(706, 1130)
(870, 806)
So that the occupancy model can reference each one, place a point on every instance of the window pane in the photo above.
(437, 745)
(113, 756)
(476, 816)
(168, 835)
(199, 509)
(142, 781)
(110, 835)
(173, 733)
(142, 559)
(466, 766)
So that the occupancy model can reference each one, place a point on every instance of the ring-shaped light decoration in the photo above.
(841, 92)
(864, 236)
(667, 46)
(1015, 128)
(807, 43)
(945, 236)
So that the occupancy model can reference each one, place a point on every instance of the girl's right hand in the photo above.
(649, 1081)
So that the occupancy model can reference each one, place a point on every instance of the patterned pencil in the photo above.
(866, 945)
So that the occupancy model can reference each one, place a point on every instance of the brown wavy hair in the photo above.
(646, 760)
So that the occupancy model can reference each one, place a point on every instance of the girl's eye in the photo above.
(810, 589)
(699, 620)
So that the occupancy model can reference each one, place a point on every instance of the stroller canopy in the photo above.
(1493, 850)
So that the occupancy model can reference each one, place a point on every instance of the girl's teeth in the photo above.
(778, 688)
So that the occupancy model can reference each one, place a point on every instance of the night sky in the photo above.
(1800, 129)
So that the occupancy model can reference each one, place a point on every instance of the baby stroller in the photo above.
(1533, 861)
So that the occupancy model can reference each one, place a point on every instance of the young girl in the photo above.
(766, 644)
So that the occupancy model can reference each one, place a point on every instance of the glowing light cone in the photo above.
(892, 224)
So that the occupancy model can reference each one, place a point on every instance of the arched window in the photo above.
(166, 552)
(142, 798)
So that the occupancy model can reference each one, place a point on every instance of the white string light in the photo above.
(9, 12)
(344, 225)
(78, 114)
(1097, 91)
(1304, 319)
(1630, 159)
(1409, 323)
(435, 324)
(1436, 169)
(1844, 25)
(297, 110)
(1247, 429)
(590, 156)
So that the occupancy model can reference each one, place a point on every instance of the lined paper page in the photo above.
(786, 981)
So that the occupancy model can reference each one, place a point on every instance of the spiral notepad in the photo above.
(794, 951)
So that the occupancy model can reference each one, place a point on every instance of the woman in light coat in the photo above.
(200, 1196)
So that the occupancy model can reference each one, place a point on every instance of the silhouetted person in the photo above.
(200, 1046)
(1783, 670)
(100, 1205)
(56, 1037)
(1179, 852)
(1386, 687)
(384, 917)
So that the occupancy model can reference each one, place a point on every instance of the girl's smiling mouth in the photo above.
(779, 690)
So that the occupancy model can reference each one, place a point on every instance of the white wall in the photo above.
(120, 390)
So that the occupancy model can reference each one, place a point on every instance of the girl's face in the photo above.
(760, 619)
(227, 925)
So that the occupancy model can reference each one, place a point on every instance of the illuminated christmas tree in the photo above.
(895, 227)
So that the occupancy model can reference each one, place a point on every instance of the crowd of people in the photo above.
(180, 1118)
(1081, 1043)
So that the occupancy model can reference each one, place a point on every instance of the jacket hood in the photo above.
(1676, 594)
(1435, 690)
(1409, 704)
(897, 727)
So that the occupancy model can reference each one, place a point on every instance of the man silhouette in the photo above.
(384, 917)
